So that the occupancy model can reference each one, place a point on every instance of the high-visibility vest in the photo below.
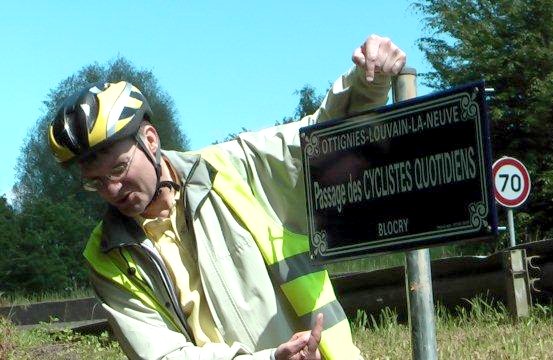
(286, 254)
(114, 266)
(307, 288)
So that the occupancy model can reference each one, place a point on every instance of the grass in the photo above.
(482, 331)
(42, 343)
(26, 299)
(366, 264)
(376, 262)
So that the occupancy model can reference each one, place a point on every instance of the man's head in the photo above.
(122, 173)
(101, 128)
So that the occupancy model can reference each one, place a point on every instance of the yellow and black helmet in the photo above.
(96, 117)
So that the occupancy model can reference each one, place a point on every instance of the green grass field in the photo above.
(483, 332)
(41, 343)
(382, 261)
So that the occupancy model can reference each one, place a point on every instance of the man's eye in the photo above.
(92, 184)
(118, 170)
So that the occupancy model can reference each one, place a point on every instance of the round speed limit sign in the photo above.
(511, 182)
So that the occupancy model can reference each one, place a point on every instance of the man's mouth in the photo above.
(123, 199)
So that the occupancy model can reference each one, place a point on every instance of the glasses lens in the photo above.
(91, 184)
(118, 172)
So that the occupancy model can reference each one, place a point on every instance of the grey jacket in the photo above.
(250, 313)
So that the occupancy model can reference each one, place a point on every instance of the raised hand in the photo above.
(379, 54)
(303, 345)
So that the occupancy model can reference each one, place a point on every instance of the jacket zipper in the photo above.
(168, 283)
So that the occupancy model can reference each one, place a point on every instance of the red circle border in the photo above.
(525, 192)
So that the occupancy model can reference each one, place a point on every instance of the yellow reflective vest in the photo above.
(306, 287)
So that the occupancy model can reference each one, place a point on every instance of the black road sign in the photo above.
(405, 176)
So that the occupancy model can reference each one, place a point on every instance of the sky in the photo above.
(225, 64)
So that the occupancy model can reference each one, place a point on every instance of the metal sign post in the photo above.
(418, 277)
(511, 224)
(512, 187)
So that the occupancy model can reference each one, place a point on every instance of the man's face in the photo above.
(131, 192)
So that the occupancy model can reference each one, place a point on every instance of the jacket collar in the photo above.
(195, 174)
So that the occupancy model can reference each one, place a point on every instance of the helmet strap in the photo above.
(156, 162)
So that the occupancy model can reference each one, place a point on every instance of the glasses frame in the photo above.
(99, 182)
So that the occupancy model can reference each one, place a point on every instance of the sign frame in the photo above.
(484, 214)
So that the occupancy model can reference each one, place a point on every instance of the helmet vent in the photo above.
(117, 109)
(86, 109)
(96, 90)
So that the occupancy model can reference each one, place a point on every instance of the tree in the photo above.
(9, 234)
(308, 103)
(39, 175)
(52, 216)
(509, 44)
(231, 136)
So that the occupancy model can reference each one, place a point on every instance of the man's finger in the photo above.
(300, 334)
(371, 56)
(294, 346)
(399, 64)
(315, 336)
(388, 56)
(358, 58)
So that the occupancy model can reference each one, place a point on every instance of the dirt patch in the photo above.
(58, 351)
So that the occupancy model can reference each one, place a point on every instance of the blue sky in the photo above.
(226, 64)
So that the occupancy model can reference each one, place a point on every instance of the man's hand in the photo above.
(303, 345)
(379, 54)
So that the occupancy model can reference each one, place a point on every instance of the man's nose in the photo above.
(111, 189)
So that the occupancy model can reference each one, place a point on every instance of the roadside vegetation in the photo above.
(47, 344)
(480, 331)
(16, 298)
(383, 261)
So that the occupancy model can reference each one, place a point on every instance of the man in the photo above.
(199, 255)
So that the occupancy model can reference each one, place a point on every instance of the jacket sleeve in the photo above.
(143, 334)
(270, 159)
(351, 94)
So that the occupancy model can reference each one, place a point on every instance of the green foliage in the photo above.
(308, 103)
(45, 342)
(16, 298)
(43, 251)
(387, 319)
(231, 136)
(51, 218)
(369, 263)
(509, 44)
(480, 331)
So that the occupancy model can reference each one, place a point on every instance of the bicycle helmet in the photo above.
(98, 116)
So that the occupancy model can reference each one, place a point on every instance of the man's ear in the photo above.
(150, 137)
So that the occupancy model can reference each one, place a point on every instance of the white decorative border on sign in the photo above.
(312, 145)
(319, 243)
(469, 106)
(478, 214)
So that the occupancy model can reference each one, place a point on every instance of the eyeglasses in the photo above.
(117, 173)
